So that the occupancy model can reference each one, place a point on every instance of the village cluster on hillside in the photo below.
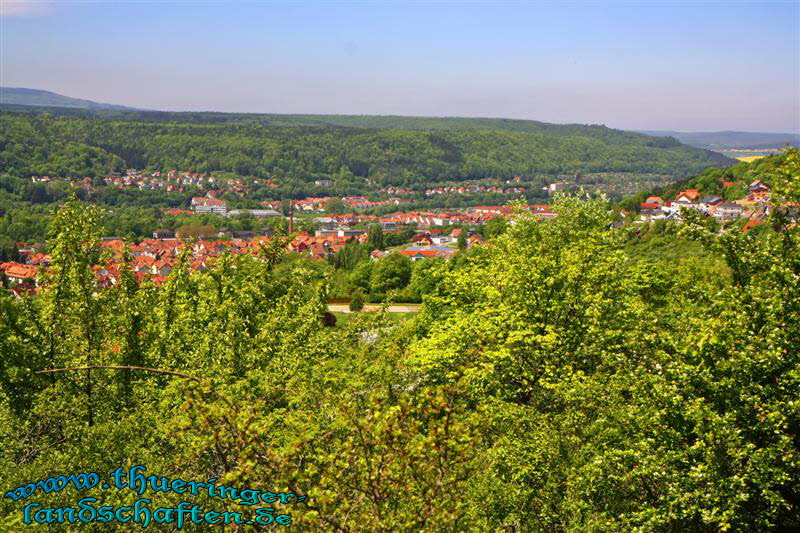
(171, 181)
(231, 185)
(755, 206)
(185, 181)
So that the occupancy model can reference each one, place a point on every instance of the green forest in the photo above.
(567, 375)
(302, 148)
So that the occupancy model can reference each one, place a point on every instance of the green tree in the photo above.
(361, 275)
(335, 206)
(390, 273)
(195, 230)
(353, 254)
(734, 192)
(461, 242)
(357, 302)
(495, 227)
(375, 237)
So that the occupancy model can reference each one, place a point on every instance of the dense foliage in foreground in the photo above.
(554, 380)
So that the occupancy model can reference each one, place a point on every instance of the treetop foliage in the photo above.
(558, 377)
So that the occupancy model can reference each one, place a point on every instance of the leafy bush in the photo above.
(357, 302)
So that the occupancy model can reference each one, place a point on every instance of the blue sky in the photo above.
(686, 66)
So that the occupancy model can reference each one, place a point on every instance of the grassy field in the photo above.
(750, 158)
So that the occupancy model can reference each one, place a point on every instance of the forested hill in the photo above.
(345, 121)
(396, 150)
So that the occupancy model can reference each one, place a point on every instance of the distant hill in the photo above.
(12, 97)
(364, 122)
(87, 109)
(37, 97)
(730, 140)
(300, 149)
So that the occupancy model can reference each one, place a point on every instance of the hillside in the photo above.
(371, 122)
(416, 150)
(730, 183)
(728, 140)
(12, 97)
(36, 97)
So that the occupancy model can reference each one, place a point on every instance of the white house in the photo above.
(728, 211)
(441, 239)
(202, 204)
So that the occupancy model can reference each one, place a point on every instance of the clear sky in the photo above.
(689, 66)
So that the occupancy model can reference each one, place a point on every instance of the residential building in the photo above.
(163, 234)
(203, 204)
(728, 211)
(759, 192)
(416, 253)
(689, 196)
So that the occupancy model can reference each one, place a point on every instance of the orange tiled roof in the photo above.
(691, 194)
(18, 270)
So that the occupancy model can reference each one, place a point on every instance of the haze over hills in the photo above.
(719, 140)
(38, 97)
(730, 140)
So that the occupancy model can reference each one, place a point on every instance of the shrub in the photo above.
(357, 302)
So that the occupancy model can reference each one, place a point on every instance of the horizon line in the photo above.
(140, 109)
